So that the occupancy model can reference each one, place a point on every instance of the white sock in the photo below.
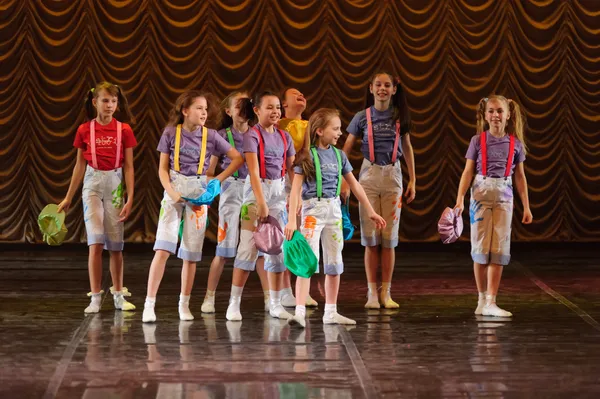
(184, 299)
(236, 291)
(266, 295)
(481, 296)
(210, 293)
(330, 308)
(301, 310)
(372, 288)
(490, 299)
(150, 301)
(286, 291)
(275, 297)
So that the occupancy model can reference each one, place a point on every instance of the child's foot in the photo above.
(311, 303)
(95, 302)
(288, 300)
(233, 310)
(267, 303)
(119, 299)
(148, 316)
(387, 302)
(298, 319)
(372, 301)
(336, 318)
(492, 309)
(279, 312)
(480, 306)
(208, 306)
(184, 312)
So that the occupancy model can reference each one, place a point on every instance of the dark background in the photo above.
(447, 53)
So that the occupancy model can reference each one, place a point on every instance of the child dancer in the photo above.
(233, 128)
(185, 150)
(106, 145)
(383, 128)
(493, 157)
(293, 106)
(269, 153)
(318, 179)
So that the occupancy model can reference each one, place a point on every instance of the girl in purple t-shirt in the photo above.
(317, 180)
(185, 150)
(269, 153)
(493, 156)
(384, 129)
(233, 127)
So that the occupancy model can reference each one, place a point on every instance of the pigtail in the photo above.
(90, 110)
(123, 105)
(516, 122)
(247, 109)
(482, 125)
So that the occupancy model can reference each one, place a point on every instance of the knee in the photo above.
(189, 265)
(162, 255)
(96, 249)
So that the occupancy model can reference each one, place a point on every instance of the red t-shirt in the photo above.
(106, 143)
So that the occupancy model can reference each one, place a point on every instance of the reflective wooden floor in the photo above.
(433, 346)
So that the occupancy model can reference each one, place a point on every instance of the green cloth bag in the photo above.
(299, 257)
(52, 225)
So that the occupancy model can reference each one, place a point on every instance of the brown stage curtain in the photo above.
(447, 53)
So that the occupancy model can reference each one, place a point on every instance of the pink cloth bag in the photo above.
(269, 236)
(450, 226)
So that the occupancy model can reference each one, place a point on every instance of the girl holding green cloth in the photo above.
(104, 162)
(318, 178)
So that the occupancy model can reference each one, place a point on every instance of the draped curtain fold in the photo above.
(447, 53)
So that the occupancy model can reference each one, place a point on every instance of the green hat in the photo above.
(299, 257)
(52, 225)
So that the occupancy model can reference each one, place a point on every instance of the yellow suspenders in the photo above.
(202, 149)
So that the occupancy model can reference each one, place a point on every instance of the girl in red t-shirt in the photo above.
(104, 154)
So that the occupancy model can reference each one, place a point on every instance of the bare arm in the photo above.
(521, 184)
(294, 201)
(409, 158)
(165, 180)
(76, 179)
(290, 167)
(128, 171)
(345, 189)
(465, 182)
(253, 171)
(236, 162)
(212, 167)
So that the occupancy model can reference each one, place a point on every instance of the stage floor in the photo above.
(433, 346)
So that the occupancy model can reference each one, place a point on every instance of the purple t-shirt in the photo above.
(384, 134)
(238, 139)
(273, 149)
(189, 149)
(329, 173)
(497, 154)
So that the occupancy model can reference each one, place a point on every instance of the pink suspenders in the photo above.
(93, 143)
(371, 142)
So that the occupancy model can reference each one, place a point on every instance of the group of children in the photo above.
(291, 170)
